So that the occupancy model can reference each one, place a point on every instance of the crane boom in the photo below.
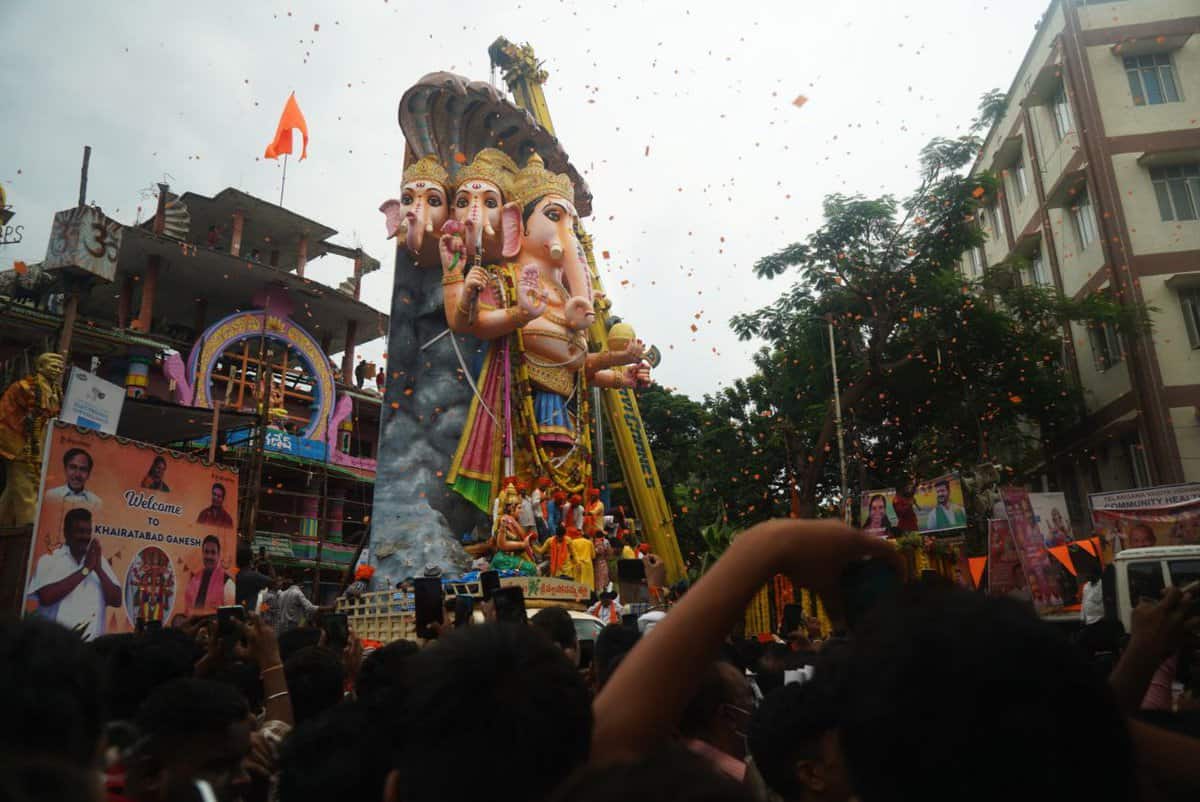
(524, 75)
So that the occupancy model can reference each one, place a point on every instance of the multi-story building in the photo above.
(1099, 153)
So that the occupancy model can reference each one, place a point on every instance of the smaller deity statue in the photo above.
(25, 408)
(513, 551)
(420, 210)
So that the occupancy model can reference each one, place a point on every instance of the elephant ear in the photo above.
(510, 222)
(393, 212)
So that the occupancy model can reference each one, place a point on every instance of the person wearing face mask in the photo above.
(715, 723)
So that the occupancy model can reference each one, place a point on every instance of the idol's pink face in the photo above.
(423, 204)
(477, 205)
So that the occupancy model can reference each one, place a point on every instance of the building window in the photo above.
(977, 261)
(1137, 463)
(1038, 274)
(1106, 345)
(1151, 79)
(1189, 299)
(1085, 221)
(998, 226)
(1178, 191)
(1061, 112)
(1019, 180)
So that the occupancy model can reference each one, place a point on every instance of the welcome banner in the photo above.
(1168, 515)
(935, 506)
(127, 531)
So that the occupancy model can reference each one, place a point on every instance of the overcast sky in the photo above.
(680, 115)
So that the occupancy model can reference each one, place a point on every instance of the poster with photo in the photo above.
(1051, 518)
(126, 531)
(1038, 570)
(932, 506)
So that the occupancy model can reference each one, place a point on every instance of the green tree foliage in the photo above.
(937, 372)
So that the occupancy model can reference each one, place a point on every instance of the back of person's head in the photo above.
(245, 555)
(134, 665)
(296, 639)
(385, 670)
(489, 689)
(717, 689)
(52, 693)
(341, 754)
(671, 773)
(612, 644)
(316, 680)
(556, 624)
(191, 729)
(41, 779)
(1017, 682)
(791, 741)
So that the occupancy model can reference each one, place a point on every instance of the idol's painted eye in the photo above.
(491, 203)
(406, 199)
(462, 202)
(434, 200)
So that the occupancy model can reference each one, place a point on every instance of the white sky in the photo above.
(679, 114)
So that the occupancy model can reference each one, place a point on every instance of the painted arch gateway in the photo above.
(499, 347)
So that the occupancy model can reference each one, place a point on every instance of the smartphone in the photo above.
(337, 629)
(629, 621)
(793, 617)
(864, 583)
(510, 605)
(631, 571)
(489, 583)
(427, 603)
(464, 606)
(225, 618)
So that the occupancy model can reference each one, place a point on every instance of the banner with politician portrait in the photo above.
(931, 506)
(127, 531)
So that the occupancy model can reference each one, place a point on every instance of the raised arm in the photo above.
(642, 702)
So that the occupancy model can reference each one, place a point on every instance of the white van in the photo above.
(1146, 572)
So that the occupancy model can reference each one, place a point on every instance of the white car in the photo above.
(587, 627)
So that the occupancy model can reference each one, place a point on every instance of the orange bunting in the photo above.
(976, 565)
(1063, 555)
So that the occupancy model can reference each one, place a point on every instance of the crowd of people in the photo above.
(935, 694)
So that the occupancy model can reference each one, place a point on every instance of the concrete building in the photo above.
(1099, 151)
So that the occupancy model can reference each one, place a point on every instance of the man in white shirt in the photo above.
(77, 465)
(1091, 608)
(525, 513)
(74, 585)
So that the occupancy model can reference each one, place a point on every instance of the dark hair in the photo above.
(245, 554)
(949, 643)
(135, 665)
(186, 708)
(296, 639)
(43, 779)
(219, 486)
(72, 453)
(384, 672)
(341, 754)
(211, 539)
(612, 644)
(52, 692)
(316, 680)
(786, 728)
(712, 692)
(942, 483)
(158, 459)
(671, 772)
(74, 516)
(519, 684)
(557, 625)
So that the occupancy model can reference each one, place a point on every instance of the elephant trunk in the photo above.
(414, 235)
(579, 309)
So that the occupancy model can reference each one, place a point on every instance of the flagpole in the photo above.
(284, 181)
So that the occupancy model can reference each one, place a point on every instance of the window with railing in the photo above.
(1151, 79)
(1060, 111)
(1020, 180)
(1178, 191)
(1105, 341)
(1084, 219)
(1189, 301)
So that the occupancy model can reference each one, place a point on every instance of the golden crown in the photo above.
(535, 181)
(491, 165)
(426, 168)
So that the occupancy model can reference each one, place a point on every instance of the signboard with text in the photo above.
(92, 402)
(125, 531)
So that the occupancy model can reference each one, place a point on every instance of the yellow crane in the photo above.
(524, 75)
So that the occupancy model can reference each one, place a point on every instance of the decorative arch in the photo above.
(241, 326)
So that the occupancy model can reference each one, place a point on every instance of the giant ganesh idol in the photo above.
(530, 414)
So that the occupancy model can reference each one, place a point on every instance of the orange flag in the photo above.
(291, 118)
(977, 564)
(1063, 555)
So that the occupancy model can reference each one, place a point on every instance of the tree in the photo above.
(992, 106)
(936, 372)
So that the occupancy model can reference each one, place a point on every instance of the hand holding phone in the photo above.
(337, 630)
(864, 584)
(510, 605)
(427, 606)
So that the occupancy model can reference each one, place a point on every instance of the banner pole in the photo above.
(283, 183)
